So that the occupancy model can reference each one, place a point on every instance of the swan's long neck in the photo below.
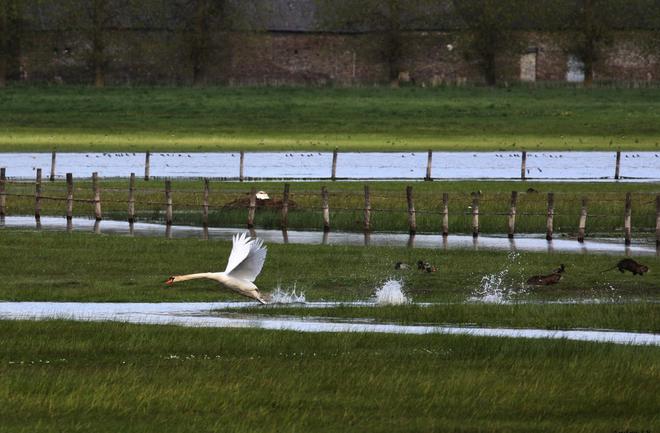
(210, 275)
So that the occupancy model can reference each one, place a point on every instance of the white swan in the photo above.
(245, 262)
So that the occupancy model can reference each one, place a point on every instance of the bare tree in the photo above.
(10, 36)
(489, 32)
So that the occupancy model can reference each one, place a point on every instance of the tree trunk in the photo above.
(99, 76)
(3, 70)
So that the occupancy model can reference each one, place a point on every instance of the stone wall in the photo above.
(290, 58)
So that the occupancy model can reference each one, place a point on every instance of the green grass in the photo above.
(212, 119)
(346, 201)
(109, 377)
(46, 266)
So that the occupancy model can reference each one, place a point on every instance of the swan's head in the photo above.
(170, 281)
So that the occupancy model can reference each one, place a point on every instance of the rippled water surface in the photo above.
(355, 165)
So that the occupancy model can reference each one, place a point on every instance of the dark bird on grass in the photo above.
(401, 265)
(425, 266)
(630, 265)
(547, 280)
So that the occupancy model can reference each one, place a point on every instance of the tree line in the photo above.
(487, 29)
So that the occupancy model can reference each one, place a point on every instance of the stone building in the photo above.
(289, 42)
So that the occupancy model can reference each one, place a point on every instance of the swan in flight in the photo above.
(245, 262)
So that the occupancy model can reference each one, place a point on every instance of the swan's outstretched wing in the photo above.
(247, 258)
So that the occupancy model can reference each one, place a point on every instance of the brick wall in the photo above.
(430, 58)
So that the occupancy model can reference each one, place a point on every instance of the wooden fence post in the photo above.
(37, 196)
(205, 204)
(627, 226)
(285, 207)
(617, 168)
(583, 220)
(429, 160)
(512, 214)
(241, 168)
(69, 196)
(445, 214)
(551, 215)
(657, 220)
(3, 194)
(168, 202)
(333, 175)
(412, 221)
(252, 208)
(326, 209)
(475, 214)
(52, 166)
(367, 209)
(131, 198)
(147, 158)
(97, 196)
(523, 166)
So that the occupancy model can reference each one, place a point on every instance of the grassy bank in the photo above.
(82, 266)
(228, 204)
(61, 376)
(132, 119)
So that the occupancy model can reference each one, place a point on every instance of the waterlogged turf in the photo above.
(108, 377)
(184, 119)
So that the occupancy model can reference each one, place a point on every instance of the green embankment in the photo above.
(214, 119)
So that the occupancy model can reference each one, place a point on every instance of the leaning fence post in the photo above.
(551, 215)
(412, 221)
(285, 207)
(252, 208)
(97, 196)
(475, 214)
(241, 168)
(445, 214)
(131, 198)
(326, 209)
(333, 175)
(512, 214)
(367, 209)
(52, 166)
(3, 194)
(429, 160)
(617, 168)
(168, 202)
(627, 229)
(205, 204)
(583, 220)
(147, 158)
(37, 196)
(69, 196)
(657, 220)
(523, 165)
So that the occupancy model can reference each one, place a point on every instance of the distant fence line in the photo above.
(524, 170)
(283, 208)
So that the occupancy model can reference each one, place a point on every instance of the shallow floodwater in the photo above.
(637, 166)
(207, 315)
(502, 243)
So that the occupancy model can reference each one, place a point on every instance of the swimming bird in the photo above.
(245, 262)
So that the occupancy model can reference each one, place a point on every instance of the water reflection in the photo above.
(520, 243)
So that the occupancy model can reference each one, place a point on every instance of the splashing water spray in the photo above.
(391, 293)
(280, 296)
(497, 288)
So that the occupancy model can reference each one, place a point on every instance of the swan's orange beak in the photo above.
(170, 281)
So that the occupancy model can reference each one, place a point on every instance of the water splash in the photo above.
(391, 293)
(498, 288)
(280, 296)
